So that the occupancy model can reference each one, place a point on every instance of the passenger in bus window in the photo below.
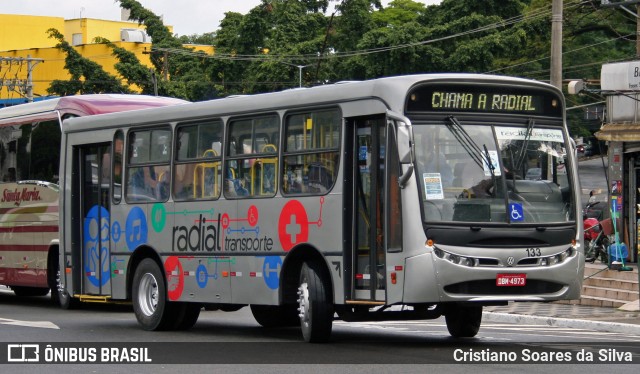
(143, 184)
(161, 188)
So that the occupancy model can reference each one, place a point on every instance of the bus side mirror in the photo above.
(405, 144)
(401, 127)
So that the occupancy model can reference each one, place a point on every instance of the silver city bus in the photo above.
(29, 167)
(402, 197)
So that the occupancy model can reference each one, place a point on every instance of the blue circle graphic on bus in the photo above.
(136, 228)
(271, 271)
(116, 232)
(96, 246)
(202, 276)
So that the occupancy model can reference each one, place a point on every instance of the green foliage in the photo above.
(86, 75)
(339, 40)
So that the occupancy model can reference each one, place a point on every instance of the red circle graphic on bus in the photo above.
(293, 225)
(175, 277)
(226, 222)
(252, 215)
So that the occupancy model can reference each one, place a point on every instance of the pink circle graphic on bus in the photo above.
(175, 277)
(293, 225)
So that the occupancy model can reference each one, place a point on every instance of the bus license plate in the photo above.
(511, 280)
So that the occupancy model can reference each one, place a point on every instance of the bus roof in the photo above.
(390, 90)
(81, 105)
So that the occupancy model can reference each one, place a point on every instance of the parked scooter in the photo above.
(596, 239)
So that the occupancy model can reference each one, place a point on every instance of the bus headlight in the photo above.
(455, 259)
(556, 259)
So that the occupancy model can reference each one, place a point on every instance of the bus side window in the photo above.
(311, 154)
(252, 157)
(198, 163)
(148, 171)
(118, 149)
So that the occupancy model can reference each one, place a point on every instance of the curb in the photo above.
(622, 328)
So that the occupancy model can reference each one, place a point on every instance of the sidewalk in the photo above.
(565, 315)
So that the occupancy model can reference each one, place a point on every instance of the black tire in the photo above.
(65, 300)
(463, 321)
(52, 275)
(149, 297)
(603, 250)
(275, 315)
(314, 304)
(186, 315)
(230, 307)
(21, 291)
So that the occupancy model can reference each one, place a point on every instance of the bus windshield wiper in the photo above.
(525, 143)
(465, 140)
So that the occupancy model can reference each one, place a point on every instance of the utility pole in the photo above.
(25, 86)
(637, 32)
(30, 66)
(556, 43)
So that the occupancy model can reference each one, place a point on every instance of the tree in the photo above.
(86, 75)
(186, 72)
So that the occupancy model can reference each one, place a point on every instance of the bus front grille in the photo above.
(488, 287)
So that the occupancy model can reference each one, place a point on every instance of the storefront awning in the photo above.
(619, 132)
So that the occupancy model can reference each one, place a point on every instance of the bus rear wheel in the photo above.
(275, 315)
(186, 316)
(314, 305)
(150, 305)
(463, 321)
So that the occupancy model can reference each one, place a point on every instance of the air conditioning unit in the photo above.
(134, 36)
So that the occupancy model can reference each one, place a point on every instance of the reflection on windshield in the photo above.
(499, 174)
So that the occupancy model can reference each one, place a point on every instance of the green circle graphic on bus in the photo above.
(158, 217)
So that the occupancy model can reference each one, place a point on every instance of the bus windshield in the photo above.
(493, 173)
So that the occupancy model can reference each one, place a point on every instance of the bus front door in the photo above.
(368, 255)
(93, 222)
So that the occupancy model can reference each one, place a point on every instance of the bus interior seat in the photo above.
(200, 173)
(263, 173)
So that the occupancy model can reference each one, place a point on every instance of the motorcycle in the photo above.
(594, 209)
(596, 239)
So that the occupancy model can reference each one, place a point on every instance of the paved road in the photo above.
(592, 174)
(235, 342)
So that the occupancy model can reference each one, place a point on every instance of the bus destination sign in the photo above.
(483, 102)
(460, 98)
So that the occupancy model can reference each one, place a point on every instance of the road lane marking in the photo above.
(37, 324)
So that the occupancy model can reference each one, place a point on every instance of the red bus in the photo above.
(29, 163)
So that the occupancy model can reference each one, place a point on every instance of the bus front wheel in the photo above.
(149, 296)
(314, 305)
(463, 321)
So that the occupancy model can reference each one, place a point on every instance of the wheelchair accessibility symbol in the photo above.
(516, 211)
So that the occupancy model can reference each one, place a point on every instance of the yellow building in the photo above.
(25, 37)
